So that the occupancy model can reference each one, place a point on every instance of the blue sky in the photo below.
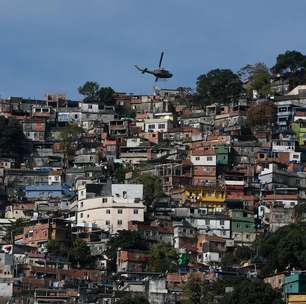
(56, 45)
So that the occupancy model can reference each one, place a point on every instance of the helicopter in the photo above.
(158, 73)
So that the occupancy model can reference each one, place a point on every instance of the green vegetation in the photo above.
(261, 115)
(290, 61)
(255, 292)
(124, 239)
(221, 86)
(68, 137)
(257, 77)
(241, 253)
(13, 143)
(130, 299)
(93, 92)
(163, 258)
(152, 187)
(198, 291)
(77, 252)
(284, 248)
(293, 64)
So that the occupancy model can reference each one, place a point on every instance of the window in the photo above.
(161, 126)
(107, 211)
(222, 222)
(151, 126)
(104, 200)
(197, 158)
(81, 215)
(206, 222)
(107, 222)
(87, 215)
(119, 211)
(209, 158)
(119, 222)
(135, 211)
(124, 194)
(81, 204)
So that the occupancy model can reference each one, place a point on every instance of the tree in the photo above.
(124, 239)
(221, 86)
(133, 300)
(241, 253)
(290, 61)
(193, 290)
(54, 248)
(255, 292)
(79, 253)
(106, 96)
(89, 89)
(152, 187)
(163, 258)
(13, 143)
(93, 92)
(293, 65)
(284, 248)
(261, 115)
(257, 77)
(68, 137)
(196, 290)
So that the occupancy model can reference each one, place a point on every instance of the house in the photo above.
(295, 283)
(184, 236)
(277, 175)
(223, 155)
(153, 232)
(6, 275)
(129, 260)
(234, 184)
(118, 128)
(210, 249)
(19, 210)
(209, 199)
(39, 232)
(34, 129)
(46, 191)
(204, 166)
(110, 207)
(242, 227)
(280, 216)
(276, 280)
(286, 110)
(174, 174)
(157, 125)
(212, 224)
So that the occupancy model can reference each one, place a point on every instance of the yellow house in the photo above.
(204, 197)
(296, 299)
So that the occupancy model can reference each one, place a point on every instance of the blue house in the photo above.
(295, 283)
(45, 191)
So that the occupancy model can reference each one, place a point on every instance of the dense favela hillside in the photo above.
(186, 195)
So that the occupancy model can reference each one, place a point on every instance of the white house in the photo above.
(203, 160)
(157, 125)
(112, 212)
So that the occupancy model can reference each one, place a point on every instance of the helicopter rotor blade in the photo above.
(161, 59)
